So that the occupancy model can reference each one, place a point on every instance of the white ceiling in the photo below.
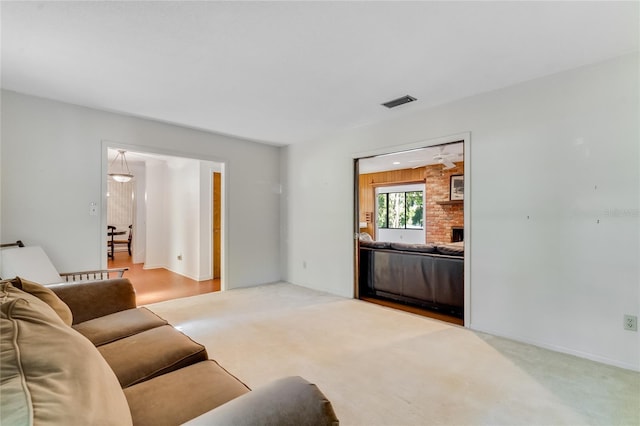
(287, 72)
(140, 157)
(411, 159)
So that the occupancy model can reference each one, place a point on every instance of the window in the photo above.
(401, 210)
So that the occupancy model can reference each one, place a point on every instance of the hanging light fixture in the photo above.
(124, 175)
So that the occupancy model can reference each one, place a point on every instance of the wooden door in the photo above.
(217, 200)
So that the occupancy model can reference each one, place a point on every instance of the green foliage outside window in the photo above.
(383, 221)
(414, 209)
(401, 210)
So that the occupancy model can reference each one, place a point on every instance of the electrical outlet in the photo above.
(179, 256)
(631, 322)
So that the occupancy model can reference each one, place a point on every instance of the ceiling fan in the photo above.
(444, 158)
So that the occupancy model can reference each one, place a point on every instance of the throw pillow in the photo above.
(364, 236)
(50, 374)
(47, 296)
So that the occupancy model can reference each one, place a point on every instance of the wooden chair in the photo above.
(112, 242)
(111, 231)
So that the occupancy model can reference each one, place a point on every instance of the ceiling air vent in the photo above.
(400, 101)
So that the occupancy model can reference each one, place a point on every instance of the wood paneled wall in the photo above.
(369, 182)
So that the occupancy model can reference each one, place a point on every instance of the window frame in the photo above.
(386, 195)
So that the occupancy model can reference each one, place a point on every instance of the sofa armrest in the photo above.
(289, 401)
(93, 299)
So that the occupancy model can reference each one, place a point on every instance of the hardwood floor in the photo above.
(415, 310)
(157, 285)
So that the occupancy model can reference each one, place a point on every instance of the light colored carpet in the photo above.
(379, 366)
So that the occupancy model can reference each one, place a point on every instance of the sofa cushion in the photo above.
(375, 244)
(151, 353)
(204, 385)
(46, 295)
(49, 373)
(110, 328)
(419, 248)
(452, 249)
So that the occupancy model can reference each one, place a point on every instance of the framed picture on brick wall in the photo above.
(456, 191)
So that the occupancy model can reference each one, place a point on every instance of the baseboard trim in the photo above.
(560, 349)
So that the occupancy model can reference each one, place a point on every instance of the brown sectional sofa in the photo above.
(95, 358)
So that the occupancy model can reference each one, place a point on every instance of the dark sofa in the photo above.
(424, 275)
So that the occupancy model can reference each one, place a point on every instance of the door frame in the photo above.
(465, 137)
(106, 144)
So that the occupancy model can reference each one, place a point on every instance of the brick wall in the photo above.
(441, 217)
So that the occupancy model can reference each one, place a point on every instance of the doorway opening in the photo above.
(410, 226)
(170, 205)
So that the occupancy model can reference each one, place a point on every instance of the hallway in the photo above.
(157, 285)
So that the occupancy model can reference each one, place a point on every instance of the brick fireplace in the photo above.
(442, 214)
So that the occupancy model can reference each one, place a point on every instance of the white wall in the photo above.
(554, 207)
(411, 236)
(157, 219)
(183, 224)
(139, 240)
(180, 196)
(51, 172)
